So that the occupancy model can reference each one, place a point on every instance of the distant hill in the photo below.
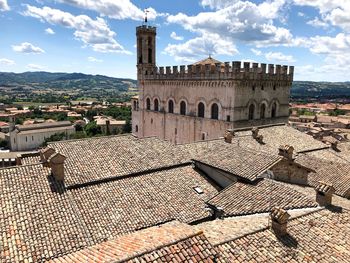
(302, 89)
(43, 79)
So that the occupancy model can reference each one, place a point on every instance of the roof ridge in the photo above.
(91, 138)
(266, 227)
(200, 232)
(120, 177)
(20, 166)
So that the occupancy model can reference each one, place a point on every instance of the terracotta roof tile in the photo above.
(318, 237)
(240, 198)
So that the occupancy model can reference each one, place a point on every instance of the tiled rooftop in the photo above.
(243, 162)
(36, 223)
(192, 249)
(103, 157)
(335, 173)
(40, 221)
(240, 198)
(318, 237)
(131, 245)
(275, 136)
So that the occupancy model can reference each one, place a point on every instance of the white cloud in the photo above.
(4, 6)
(93, 59)
(173, 35)
(316, 22)
(121, 9)
(301, 14)
(256, 51)
(279, 57)
(93, 33)
(27, 48)
(335, 12)
(7, 62)
(49, 31)
(35, 67)
(201, 47)
(239, 20)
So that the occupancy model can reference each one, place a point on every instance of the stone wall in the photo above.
(290, 172)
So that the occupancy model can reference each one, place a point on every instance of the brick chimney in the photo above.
(45, 155)
(228, 136)
(255, 132)
(286, 151)
(324, 193)
(334, 145)
(56, 162)
(279, 220)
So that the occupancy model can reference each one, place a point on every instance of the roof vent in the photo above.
(324, 193)
(198, 190)
(279, 220)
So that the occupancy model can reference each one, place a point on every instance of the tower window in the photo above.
(274, 87)
(171, 106)
(262, 111)
(201, 109)
(148, 104)
(183, 108)
(273, 110)
(253, 88)
(136, 128)
(156, 105)
(215, 111)
(251, 112)
(262, 87)
(228, 118)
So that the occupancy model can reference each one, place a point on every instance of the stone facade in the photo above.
(203, 100)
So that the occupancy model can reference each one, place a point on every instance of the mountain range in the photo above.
(300, 89)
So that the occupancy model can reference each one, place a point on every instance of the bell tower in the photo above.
(146, 49)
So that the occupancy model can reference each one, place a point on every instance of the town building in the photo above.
(203, 100)
(30, 137)
(110, 126)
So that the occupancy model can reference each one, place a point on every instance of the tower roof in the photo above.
(208, 60)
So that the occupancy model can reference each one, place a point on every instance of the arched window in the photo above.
(214, 111)
(183, 108)
(201, 109)
(251, 112)
(262, 111)
(171, 106)
(273, 110)
(148, 104)
(156, 105)
(136, 128)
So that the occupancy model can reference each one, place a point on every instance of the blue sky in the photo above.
(98, 36)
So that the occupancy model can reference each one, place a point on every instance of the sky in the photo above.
(99, 36)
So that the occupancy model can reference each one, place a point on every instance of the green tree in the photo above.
(54, 138)
(92, 129)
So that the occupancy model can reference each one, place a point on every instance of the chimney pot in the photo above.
(279, 220)
(45, 155)
(255, 132)
(228, 136)
(286, 151)
(324, 193)
(56, 162)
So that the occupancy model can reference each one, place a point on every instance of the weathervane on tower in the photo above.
(146, 11)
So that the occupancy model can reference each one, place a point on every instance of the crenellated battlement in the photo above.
(146, 28)
(229, 70)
